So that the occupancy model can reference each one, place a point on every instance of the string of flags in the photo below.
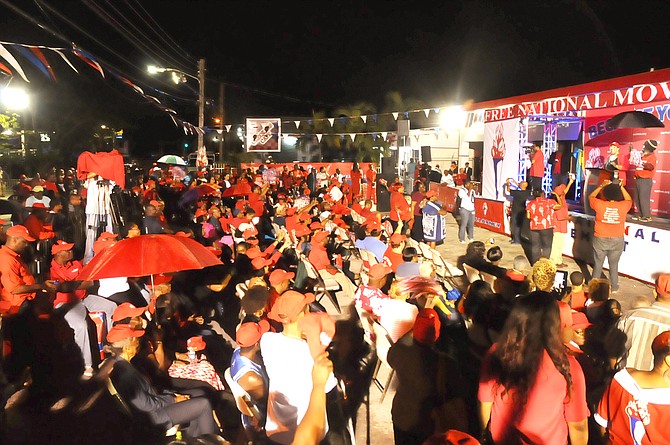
(36, 55)
(383, 135)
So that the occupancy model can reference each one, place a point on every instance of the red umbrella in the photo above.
(240, 189)
(207, 189)
(148, 255)
(623, 136)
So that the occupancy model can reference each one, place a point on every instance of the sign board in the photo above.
(263, 134)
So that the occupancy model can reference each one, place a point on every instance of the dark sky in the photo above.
(316, 55)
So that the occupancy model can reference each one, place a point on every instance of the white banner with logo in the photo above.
(645, 248)
(501, 156)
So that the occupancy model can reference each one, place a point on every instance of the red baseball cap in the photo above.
(316, 225)
(254, 252)
(290, 211)
(107, 236)
(319, 236)
(302, 230)
(249, 233)
(160, 279)
(289, 306)
(279, 275)
(101, 245)
(19, 231)
(200, 212)
(250, 333)
(373, 226)
(123, 331)
(431, 193)
(579, 320)
(127, 310)
(260, 263)
(319, 330)
(397, 238)
(379, 270)
(305, 217)
(662, 283)
(196, 343)
(60, 246)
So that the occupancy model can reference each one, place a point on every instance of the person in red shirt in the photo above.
(530, 389)
(393, 255)
(536, 167)
(318, 256)
(561, 222)
(371, 178)
(18, 284)
(635, 408)
(540, 212)
(611, 209)
(356, 177)
(643, 181)
(400, 209)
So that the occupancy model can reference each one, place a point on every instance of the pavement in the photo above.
(381, 427)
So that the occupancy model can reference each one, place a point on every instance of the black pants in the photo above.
(197, 412)
(540, 244)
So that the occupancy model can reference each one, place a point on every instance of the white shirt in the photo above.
(288, 363)
(449, 180)
(32, 200)
(467, 199)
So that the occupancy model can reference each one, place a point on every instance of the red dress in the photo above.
(356, 177)
(400, 210)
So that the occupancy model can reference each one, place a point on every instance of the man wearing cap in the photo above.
(393, 256)
(642, 325)
(161, 409)
(36, 222)
(371, 242)
(18, 284)
(280, 281)
(37, 195)
(65, 269)
(246, 367)
(434, 219)
(644, 172)
(288, 363)
(369, 296)
(319, 258)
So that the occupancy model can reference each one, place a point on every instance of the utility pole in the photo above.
(222, 119)
(201, 103)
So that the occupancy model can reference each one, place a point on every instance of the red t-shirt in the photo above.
(537, 166)
(610, 217)
(561, 217)
(578, 299)
(649, 159)
(393, 259)
(541, 212)
(68, 272)
(632, 414)
(400, 210)
(548, 409)
(318, 256)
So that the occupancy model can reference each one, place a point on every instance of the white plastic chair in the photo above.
(383, 344)
(471, 273)
(243, 400)
(491, 279)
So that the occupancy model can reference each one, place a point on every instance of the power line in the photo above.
(128, 34)
(154, 26)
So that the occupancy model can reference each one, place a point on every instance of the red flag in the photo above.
(90, 62)
(4, 68)
(40, 55)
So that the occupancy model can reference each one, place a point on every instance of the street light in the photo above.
(178, 77)
(14, 98)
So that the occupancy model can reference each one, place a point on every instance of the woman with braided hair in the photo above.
(530, 390)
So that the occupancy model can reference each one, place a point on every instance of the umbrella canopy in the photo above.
(149, 255)
(634, 119)
(622, 136)
(240, 189)
(171, 159)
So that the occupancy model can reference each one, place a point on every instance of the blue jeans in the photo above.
(610, 248)
(467, 222)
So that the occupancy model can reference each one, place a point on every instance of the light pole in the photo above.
(178, 77)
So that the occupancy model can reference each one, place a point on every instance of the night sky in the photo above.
(293, 58)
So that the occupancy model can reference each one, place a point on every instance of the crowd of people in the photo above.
(280, 343)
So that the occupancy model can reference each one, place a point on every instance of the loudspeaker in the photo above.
(388, 166)
(425, 153)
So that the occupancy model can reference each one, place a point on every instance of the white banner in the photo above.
(501, 156)
(645, 250)
(263, 134)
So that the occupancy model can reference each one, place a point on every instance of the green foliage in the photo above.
(9, 123)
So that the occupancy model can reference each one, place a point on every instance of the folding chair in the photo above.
(491, 279)
(383, 344)
(471, 273)
(325, 287)
(246, 406)
(426, 251)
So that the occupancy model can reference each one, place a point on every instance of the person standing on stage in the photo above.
(611, 209)
(643, 181)
(467, 212)
(536, 167)
(560, 166)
